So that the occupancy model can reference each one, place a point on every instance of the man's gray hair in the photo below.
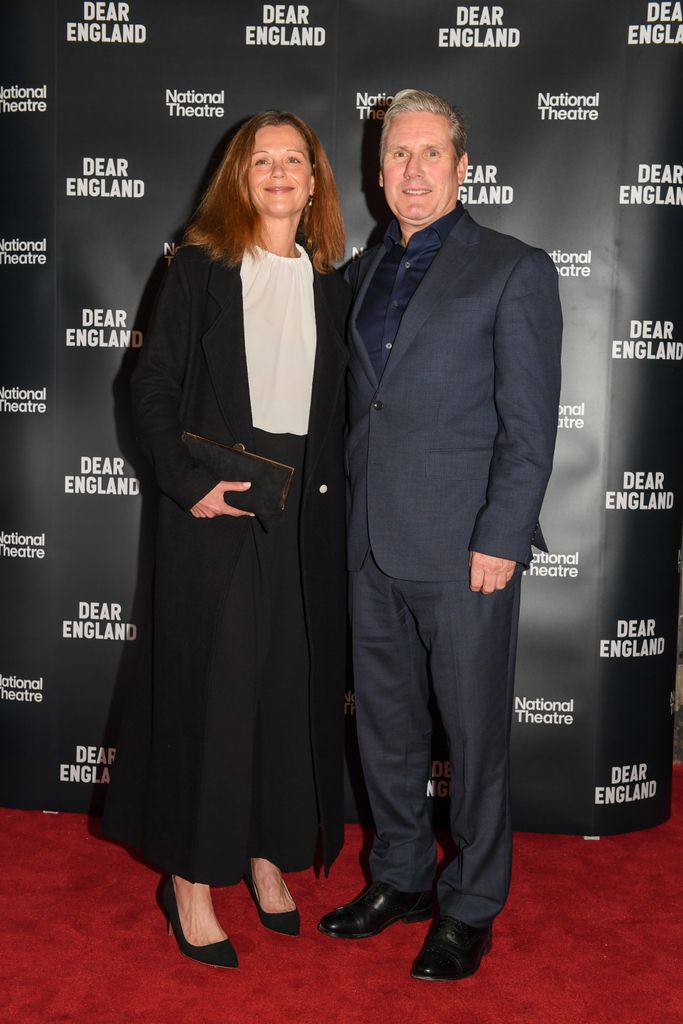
(410, 101)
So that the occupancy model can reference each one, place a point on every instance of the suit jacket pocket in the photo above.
(458, 463)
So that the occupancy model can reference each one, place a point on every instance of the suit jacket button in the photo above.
(323, 488)
(378, 406)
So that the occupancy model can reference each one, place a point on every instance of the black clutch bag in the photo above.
(270, 481)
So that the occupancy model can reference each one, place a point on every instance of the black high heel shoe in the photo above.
(287, 922)
(215, 954)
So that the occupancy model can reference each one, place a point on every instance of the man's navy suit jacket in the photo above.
(451, 450)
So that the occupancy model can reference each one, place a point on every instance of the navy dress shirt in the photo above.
(394, 283)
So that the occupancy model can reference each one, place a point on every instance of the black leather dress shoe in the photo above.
(375, 909)
(451, 951)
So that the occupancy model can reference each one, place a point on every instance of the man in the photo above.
(453, 394)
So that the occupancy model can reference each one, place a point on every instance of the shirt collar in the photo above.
(441, 227)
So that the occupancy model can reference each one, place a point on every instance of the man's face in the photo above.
(420, 173)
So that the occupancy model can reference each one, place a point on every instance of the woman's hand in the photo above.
(213, 504)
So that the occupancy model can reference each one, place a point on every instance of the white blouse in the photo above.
(280, 338)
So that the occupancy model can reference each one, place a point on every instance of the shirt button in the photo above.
(378, 406)
(395, 304)
(407, 264)
(387, 344)
(323, 488)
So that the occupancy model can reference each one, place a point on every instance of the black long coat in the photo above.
(178, 790)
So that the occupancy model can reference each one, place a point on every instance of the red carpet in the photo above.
(592, 933)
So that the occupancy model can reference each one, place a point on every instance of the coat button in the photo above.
(323, 488)
(378, 406)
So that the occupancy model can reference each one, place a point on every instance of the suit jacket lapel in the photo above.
(331, 357)
(223, 345)
(457, 252)
(358, 348)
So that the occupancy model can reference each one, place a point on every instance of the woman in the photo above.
(236, 762)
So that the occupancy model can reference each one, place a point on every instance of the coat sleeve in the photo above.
(157, 389)
(526, 349)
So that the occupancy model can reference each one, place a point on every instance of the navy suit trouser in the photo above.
(411, 637)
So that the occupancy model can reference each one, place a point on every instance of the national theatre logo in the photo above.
(23, 400)
(170, 250)
(23, 99)
(554, 564)
(16, 689)
(24, 546)
(571, 417)
(191, 103)
(23, 252)
(541, 711)
(565, 106)
(372, 106)
(572, 264)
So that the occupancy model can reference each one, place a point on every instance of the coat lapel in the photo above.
(457, 253)
(331, 357)
(223, 345)
(224, 348)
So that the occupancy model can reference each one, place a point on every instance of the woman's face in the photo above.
(281, 178)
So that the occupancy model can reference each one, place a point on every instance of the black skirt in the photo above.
(284, 816)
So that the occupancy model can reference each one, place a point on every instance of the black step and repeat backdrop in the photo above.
(112, 118)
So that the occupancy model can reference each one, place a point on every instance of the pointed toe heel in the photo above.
(287, 922)
(215, 954)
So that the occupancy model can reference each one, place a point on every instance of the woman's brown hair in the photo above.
(226, 222)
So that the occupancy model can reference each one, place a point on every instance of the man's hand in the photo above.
(488, 573)
(214, 504)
